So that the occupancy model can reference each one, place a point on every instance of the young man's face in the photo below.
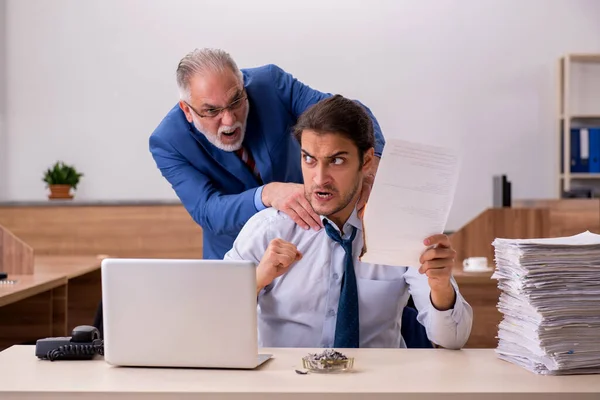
(209, 93)
(332, 173)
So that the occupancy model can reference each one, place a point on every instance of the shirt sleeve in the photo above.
(258, 204)
(252, 241)
(297, 97)
(450, 328)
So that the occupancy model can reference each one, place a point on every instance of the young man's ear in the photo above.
(368, 159)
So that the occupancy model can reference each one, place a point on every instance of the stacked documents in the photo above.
(550, 301)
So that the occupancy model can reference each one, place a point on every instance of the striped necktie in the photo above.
(247, 159)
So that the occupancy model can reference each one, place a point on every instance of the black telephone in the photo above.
(83, 344)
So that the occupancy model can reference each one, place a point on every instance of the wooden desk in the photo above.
(84, 284)
(35, 306)
(84, 289)
(63, 292)
(28, 286)
(380, 374)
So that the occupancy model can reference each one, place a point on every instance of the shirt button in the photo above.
(330, 313)
(335, 276)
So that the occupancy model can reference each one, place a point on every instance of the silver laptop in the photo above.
(180, 313)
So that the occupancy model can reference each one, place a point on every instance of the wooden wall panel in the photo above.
(568, 216)
(155, 231)
(475, 238)
(16, 256)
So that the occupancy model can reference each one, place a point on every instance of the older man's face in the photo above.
(218, 107)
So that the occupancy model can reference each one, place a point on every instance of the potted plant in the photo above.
(61, 178)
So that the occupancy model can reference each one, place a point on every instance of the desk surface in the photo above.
(49, 272)
(29, 285)
(379, 373)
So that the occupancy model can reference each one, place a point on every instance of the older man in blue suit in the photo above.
(227, 150)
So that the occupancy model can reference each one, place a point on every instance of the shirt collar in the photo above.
(353, 220)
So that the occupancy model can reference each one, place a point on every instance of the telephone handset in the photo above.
(83, 344)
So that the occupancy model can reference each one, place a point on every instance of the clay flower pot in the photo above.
(60, 179)
(60, 192)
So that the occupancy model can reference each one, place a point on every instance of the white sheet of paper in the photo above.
(410, 200)
(581, 239)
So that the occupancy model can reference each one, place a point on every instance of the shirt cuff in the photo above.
(258, 204)
(456, 311)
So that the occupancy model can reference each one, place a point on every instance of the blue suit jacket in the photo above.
(215, 187)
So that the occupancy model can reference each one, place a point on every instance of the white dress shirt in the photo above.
(298, 309)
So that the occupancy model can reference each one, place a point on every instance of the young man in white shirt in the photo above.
(313, 291)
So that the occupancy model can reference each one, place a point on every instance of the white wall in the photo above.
(3, 135)
(89, 80)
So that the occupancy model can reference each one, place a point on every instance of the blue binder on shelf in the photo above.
(594, 149)
(579, 158)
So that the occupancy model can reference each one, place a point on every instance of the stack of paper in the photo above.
(550, 301)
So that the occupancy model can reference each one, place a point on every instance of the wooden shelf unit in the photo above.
(569, 117)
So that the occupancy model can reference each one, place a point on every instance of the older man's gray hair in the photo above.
(203, 61)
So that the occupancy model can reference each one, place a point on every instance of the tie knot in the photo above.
(335, 236)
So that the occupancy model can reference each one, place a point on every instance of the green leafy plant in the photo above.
(62, 174)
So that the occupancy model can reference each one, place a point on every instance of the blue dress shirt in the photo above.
(298, 309)
(215, 186)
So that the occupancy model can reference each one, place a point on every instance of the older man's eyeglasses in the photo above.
(214, 112)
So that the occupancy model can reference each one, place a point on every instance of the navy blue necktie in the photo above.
(347, 324)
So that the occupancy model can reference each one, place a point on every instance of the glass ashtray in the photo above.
(327, 366)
